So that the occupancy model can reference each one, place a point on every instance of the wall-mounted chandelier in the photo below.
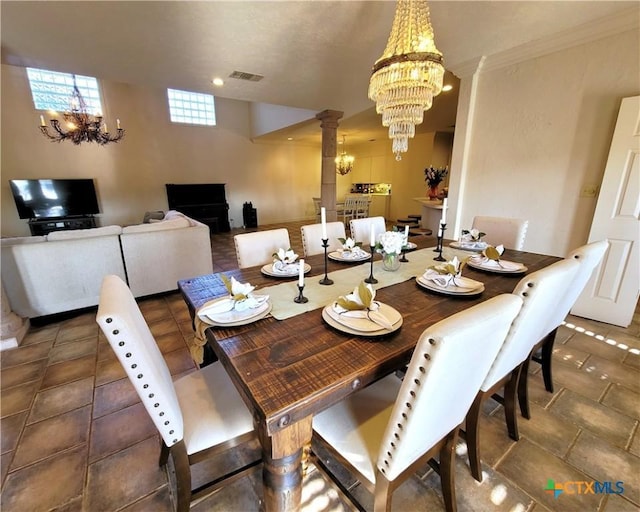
(80, 125)
(344, 162)
(408, 75)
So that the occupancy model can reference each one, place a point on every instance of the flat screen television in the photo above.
(40, 199)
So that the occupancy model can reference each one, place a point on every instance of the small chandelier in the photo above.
(408, 75)
(81, 126)
(344, 162)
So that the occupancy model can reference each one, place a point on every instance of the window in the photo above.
(191, 107)
(51, 90)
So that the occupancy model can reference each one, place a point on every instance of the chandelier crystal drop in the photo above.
(81, 126)
(344, 162)
(408, 75)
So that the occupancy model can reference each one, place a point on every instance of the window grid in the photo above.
(191, 107)
(51, 90)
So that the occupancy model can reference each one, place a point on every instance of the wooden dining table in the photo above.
(289, 370)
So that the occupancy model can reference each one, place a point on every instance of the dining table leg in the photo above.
(282, 465)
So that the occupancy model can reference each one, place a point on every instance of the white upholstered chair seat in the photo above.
(541, 292)
(312, 237)
(210, 422)
(198, 416)
(257, 248)
(361, 229)
(502, 230)
(384, 429)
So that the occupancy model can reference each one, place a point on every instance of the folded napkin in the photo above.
(360, 304)
(225, 305)
(473, 244)
(497, 264)
(280, 267)
(449, 280)
(354, 253)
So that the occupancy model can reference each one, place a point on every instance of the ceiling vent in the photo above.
(241, 75)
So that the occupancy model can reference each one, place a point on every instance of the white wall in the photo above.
(279, 179)
(130, 175)
(541, 132)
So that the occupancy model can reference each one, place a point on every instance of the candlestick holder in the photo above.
(403, 256)
(300, 299)
(325, 280)
(443, 228)
(371, 279)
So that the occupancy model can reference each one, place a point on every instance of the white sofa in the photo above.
(63, 271)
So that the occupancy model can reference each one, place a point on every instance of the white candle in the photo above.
(444, 211)
(372, 237)
(42, 123)
(118, 123)
(323, 219)
(301, 274)
(406, 232)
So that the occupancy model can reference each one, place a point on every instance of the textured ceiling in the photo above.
(313, 55)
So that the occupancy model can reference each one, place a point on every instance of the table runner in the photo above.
(344, 281)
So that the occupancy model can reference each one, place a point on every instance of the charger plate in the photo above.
(233, 317)
(510, 267)
(268, 270)
(337, 256)
(451, 290)
(362, 326)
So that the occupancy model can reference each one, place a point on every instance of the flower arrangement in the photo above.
(390, 242)
(434, 175)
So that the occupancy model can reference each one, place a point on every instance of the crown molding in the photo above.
(622, 21)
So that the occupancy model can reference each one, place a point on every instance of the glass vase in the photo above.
(390, 261)
(433, 192)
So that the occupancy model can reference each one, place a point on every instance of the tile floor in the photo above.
(75, 437)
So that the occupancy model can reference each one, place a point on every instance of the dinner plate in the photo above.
(233, 317)
(510, 267)
(450, 290)
(362, 326)
(468, 246)
(410, 246)
(337, 256)
(268, 270)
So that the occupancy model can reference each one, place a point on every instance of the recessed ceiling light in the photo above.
(289, 138)
(447, 87)
(218, 81)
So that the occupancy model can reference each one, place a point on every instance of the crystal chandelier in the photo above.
(81, 126)
(408, 75)
(344, 162)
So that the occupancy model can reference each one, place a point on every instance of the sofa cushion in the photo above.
(84, 233)
(176, 223)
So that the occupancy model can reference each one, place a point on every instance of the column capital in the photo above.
(329, 118)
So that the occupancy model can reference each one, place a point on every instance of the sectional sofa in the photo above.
(63, 271)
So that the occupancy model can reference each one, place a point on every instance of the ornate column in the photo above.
(329, 124)
(12, 327)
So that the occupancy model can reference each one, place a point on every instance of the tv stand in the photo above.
(45, 226)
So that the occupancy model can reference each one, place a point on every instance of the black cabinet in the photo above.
(45, 226)
(204, 202)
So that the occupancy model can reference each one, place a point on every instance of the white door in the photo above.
(611, 294)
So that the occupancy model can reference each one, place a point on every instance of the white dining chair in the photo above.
(312, 237)
(391, 428)
(502, 231)
(362, 207)
(541, 292)
(257, 248)
(317, 204)
(361, 229)
(198, 416)
(350, 208)
(588, 257)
